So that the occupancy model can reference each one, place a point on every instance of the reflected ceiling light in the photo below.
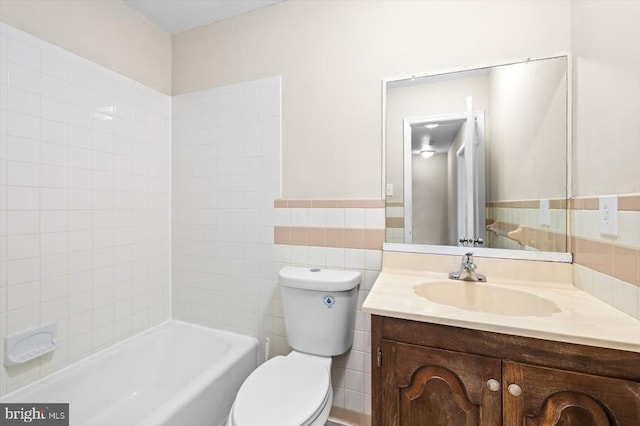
(427, 153)
(431, 125)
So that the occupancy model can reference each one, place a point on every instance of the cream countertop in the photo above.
(582, 318)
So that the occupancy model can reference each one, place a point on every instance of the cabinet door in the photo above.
(432, 387)
(548, 397)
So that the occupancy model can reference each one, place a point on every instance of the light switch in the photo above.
(389, 190)
(609, 215)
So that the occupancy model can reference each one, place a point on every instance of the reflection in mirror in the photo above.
(479, 157)
(444, 140)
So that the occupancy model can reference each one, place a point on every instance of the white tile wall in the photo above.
(530, 218)
(394, 235)
(84, 202)
(226, 152)
(585, 224)
(620, 294)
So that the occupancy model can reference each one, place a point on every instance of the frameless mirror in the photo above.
(479, 157)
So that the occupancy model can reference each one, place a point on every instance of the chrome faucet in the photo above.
(467, 270)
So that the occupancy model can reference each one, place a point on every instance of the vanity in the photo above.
(524, 348)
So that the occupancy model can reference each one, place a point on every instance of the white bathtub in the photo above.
(173, 374)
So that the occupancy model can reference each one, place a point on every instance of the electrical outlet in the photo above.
(545, 215)
(609, 215)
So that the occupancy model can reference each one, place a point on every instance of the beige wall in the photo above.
(606, 48)
(332, 57)
(105, 32)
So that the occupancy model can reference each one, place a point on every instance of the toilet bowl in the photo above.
(295, 390)
(292, 390)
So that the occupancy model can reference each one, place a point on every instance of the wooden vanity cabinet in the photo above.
(429, 374)
(424, 386)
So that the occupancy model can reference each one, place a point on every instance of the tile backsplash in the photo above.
(608, 266)
(526, 216)
(85, 190)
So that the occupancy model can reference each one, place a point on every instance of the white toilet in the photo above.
(295, 390)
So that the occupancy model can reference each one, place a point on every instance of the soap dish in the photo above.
(26, 345)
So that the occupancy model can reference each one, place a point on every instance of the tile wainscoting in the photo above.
(608, 267)
(395, 221)
(505, 216)
(525, 215)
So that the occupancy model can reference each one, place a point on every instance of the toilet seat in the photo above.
(284, 391)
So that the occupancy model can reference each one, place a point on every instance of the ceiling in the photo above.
(175, 16)
(439, 139)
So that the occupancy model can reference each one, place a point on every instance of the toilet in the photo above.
(295, 390)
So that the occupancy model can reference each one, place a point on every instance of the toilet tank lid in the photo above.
(319, 278)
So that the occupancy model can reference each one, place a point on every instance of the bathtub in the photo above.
(173, 374)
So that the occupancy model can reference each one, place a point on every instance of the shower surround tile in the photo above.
(226, 158)
(64, 178)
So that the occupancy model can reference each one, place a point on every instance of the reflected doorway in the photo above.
(444, 181)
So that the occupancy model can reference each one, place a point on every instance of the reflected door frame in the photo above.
(479, 186)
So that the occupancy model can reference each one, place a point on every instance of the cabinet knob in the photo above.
(493, 385)
(514, 389)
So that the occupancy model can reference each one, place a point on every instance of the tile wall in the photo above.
(505, 216)
(608, 266)
(525, 216)
(344, 234)
(85, 196)
(226, 174)
(395, 222)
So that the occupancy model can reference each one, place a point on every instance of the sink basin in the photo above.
(482, 297)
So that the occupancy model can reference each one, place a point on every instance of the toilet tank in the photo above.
(319, 308)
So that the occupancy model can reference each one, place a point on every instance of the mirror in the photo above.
(478, 158)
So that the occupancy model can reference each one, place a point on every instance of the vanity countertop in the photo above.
(581, 318)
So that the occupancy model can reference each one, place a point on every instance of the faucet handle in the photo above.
(467, 270)
(467, 262)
